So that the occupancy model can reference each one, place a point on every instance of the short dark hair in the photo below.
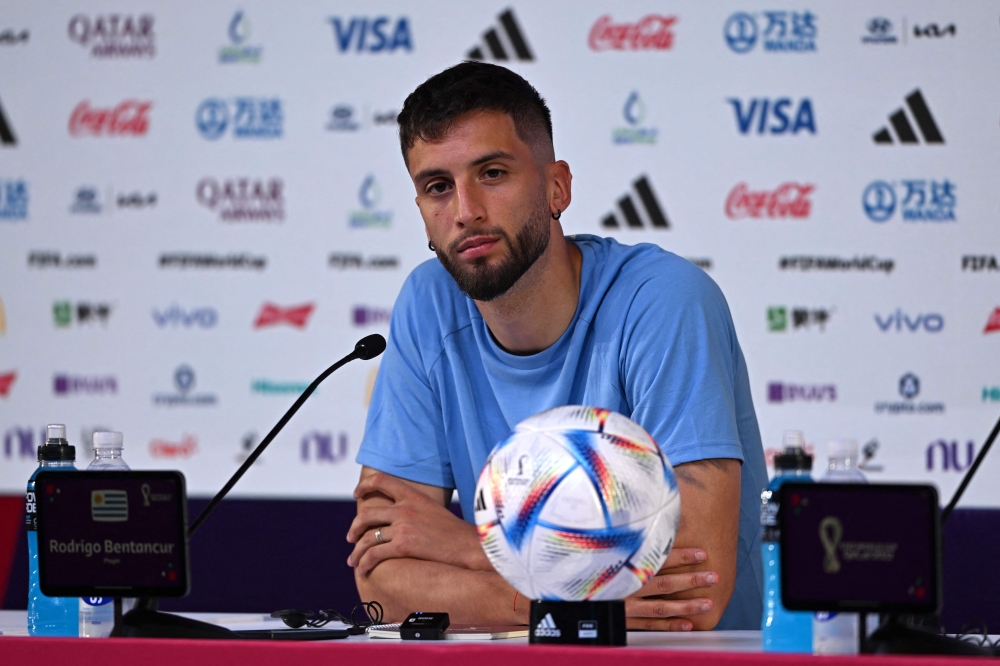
(430, 110)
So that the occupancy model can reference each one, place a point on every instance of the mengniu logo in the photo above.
(788, 200)
(902, 127)
(634, 112)
(980, 262)
(899, 322)
(950, 455)
(184, 395)
(243, 199)
(783, 31)
(653, 32)
(238, 50)
(65, 385)
(781, 318)
(7, 137)
(503, 41)
(13, 200)
(369, 195)
(114, 35)
(909, 388)
(65, 313)
(780, 392)
(323, 447)
(244, 117)
(655, 217)
(296, 316)
(129, 118)
(177, 317)
(371, 34)
(778, 116)
(6, 382)
(993, 323)
(12, 37)
(921, 200)
(163, 448)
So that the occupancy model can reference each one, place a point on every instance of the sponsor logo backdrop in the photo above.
(203, 206)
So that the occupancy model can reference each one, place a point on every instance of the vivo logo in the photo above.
(178, 316)
(900, 321)
(323, 447)
(949, 455)
(20, 443)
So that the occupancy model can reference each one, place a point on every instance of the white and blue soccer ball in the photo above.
(577, 503)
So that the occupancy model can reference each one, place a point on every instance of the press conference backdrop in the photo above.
(203, 205)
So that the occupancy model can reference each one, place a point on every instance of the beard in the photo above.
(484, 282)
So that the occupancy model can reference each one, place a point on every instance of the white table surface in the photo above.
(14, 623)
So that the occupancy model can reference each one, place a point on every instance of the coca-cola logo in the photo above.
(161, 448)
(130, 118)
(788, 200)
(114, 35)
(650, 32)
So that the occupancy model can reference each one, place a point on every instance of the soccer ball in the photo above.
(577, 503)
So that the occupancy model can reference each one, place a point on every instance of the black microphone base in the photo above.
(894, 637)
(154, 624)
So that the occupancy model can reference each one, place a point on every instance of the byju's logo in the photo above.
(65, 313)
(950, 459)
(243, 199)
(129, 118)
(652, 32)
(346, 260)
(324, 447)
(238, 50)
(899, 321)
(787, 200)
(114, 35)
(369, 194)
(296, 316)
(902, 127)
(980, 262)
(379, 34)
(546, 628)
(366, 315)
(177, 317)
(185, 448)
(65, 385)
(767, 116)
(879, 30)
(7, 137)
(779, 321)
(13, 200)
(247, 117)
(634, 112)
(656, 218)
(909, 388)
(184, 382)
(783, 31)
(922, 201)
(779, 392)
(993, 323)
(503, 40)
(6, 382)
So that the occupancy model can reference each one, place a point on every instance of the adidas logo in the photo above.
(480, 501)
(656, 218)
(6, 135)
(904, 130)
(547, 628)
(499, 50)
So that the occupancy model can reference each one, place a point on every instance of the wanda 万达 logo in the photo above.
(787, 200)
(129, 118)
(652, 32)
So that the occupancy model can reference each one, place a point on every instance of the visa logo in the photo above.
(372, 35)
(900, 321)
(778, 116)
(178, 316)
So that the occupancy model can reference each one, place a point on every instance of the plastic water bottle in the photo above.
(837, 633)
(48, 616)
(782, 630)
(97, 614)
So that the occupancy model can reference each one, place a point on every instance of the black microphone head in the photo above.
(370, 346)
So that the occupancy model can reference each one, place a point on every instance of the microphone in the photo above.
(366, 349)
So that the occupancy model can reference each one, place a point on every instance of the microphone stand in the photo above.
(144, 620)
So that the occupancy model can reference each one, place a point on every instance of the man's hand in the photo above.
(652, 609)
(413, 525)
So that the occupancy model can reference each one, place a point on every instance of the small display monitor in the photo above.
(112, 534)
(858, 547)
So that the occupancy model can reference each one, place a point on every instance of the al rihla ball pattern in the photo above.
(577, 503)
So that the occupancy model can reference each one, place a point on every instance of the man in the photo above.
(514, 318)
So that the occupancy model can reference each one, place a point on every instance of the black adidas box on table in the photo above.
(577, 622)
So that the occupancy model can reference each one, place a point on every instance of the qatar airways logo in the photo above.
(114, 35)
(788, 200)
(652, 32)
(129, 118)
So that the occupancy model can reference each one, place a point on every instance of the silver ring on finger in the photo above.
(378, 536)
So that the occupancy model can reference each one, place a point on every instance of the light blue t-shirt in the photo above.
(652, 338)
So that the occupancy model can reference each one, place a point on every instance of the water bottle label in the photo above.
(825, 616)
(769, 520)
(30, 522)
(97, 601)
